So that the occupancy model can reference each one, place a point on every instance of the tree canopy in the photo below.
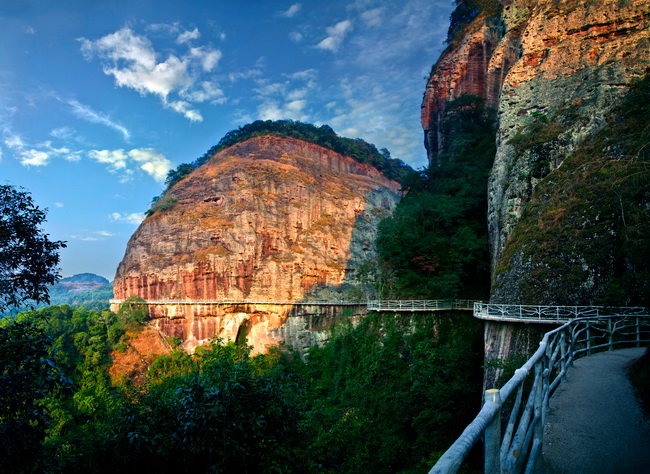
(28, 258)
(436, 241)
(324, 136)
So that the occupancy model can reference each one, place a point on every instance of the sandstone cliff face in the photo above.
(559, 62)
(267, 220)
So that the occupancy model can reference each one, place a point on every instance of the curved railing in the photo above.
(516, 446)
(547, 314)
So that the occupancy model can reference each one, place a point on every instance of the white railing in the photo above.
(547, 314)
(420, 305)
(515, 446)
(375, 305)
(240, 302)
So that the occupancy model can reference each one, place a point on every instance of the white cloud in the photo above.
(85, 112)
(207, 91)
(58, 204)
(132, 218)
(148, 160)
(30, 30)
(63, 133)
(83, 238)
(35, 155)
(291, 11)
(189, 35)
(115, 159)
(296, 36)
(134, 63)
(286, 99)
(373, 17)
(246, 74)
(152, 162)
(32, 157)
(184, 108)
(335, 36)
(104, 233)
(208, 57)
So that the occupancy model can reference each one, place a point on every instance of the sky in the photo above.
(100, 99)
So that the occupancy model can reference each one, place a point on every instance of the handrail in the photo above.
(547, 314)
(374, 305)
(240, 302)
(420, 305)
(516, 448)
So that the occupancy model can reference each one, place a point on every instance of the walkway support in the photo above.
(521, 441)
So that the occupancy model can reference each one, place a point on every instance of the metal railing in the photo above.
(548, 314)
(420, 305)
(516, 446)
(240, 302)
(375, 305)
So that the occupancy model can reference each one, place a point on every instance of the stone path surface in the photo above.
(595, 424)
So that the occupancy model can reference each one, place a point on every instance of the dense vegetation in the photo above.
(385, 396)
(324, 136)
(435, 245)
(585, 234)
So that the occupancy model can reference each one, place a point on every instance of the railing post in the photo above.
(588, 338)
(563, 354)
(492, 458)
(638, 331)
(610, 334)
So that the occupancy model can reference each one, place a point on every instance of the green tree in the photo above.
(28, 258)
(436, 241)
(27, 378)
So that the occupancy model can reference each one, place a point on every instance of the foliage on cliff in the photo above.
(584, 237)
(391, 394)
(387, 395)
(324, 136)
(465, 12)
(436, 241)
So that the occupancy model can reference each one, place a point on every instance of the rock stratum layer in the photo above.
(553, 69)
(267, 220)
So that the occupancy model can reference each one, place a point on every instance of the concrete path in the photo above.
(595, 423)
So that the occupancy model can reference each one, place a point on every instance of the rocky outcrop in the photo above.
(553, 69)
(267, 220)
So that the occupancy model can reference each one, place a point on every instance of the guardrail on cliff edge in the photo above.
(516, 447)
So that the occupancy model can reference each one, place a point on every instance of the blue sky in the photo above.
(99, 99)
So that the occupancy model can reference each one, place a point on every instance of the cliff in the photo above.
(554, 70)
(266, 220)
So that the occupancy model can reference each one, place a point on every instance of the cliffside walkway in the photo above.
(512, 420)
(548, 314)
(421, 305)
(188, 301)
(373, 305)
(595, 423)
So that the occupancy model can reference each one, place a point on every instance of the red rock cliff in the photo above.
(571, 59)
(268, 219)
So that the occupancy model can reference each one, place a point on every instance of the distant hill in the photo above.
(78, 283)
(87, 289)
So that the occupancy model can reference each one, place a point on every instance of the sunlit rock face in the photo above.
(568, 61)
(267, 220)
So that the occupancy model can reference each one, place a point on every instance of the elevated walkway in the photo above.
(595, 423)
(518, 313)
